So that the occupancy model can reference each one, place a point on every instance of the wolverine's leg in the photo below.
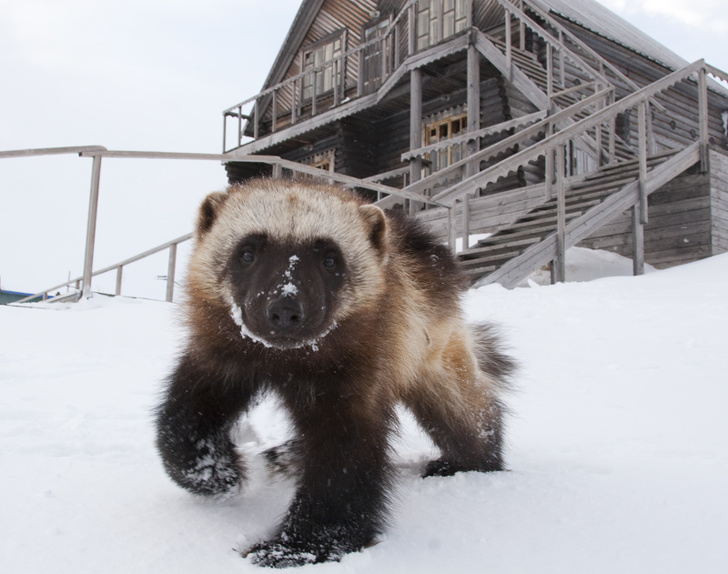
(193, 428)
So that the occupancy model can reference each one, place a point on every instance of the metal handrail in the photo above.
(97, 152)
(551, 142)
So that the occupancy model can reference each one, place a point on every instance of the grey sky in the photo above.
(156, 75)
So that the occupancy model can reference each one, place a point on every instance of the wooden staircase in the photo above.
(511, 254)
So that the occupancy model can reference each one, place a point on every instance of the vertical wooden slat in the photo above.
(509, 55)
(560, 263)
(313, 94)
(549, 168)
(411, 30)
(93, 206)
(549, 71)
(255, 119)
(171, 266)
(274, 111)
(119, 273)
(612, 132)
(703, 119)
(638, 239)
(415, 122)
(240, 125)
(562, 62)
(642, 137)
(277, 171)
(451, 228)
(224, 132)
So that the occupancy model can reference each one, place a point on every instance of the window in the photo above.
(322, 79)
(443, 130)
(374, 57)
(439, 19)
(323, 161)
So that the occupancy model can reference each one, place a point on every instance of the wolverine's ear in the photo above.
(209, 210)
(376, 221)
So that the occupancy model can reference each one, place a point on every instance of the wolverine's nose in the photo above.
(285, 313)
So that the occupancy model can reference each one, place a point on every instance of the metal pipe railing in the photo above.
(98, 152)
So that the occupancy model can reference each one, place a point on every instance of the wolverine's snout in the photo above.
(285, 314)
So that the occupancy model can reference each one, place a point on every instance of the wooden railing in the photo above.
(283, 105)
(280, 168)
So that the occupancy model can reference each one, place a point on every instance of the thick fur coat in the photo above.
(344, 312)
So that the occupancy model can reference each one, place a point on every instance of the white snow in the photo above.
(617, 444)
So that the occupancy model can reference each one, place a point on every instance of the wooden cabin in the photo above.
(521, 126)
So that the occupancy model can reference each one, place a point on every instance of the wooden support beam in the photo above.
(119, 276)
(171, 266)
(415, 122)
(550, 71)
(642, 131)
(703, 118)
(451, 228)
(93, 207)
(509, 48)
(560, 261)
(638, 239)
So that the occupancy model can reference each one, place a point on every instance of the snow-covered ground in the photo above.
(618, 444)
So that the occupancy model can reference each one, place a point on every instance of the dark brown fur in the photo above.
(392, 333)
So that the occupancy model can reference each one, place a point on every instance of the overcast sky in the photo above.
(156, 75)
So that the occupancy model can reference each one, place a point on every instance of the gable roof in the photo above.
(305, 17)
(591, 15)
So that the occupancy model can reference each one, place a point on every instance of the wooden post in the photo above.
(509, 56)
(171, 265)
(560, 262)
(642, 136)
(255, 119)
(274, 111)
(473, 110)
(224, 132)
(598, 127)
(612, 132)
(638, 238)
(703, 119)
(415, 122)
(93, 207)
(277, 171)
(411, 31)
(549, 168)
(451, 228)
(466, 221)
(313, 94)
(562, 62)
(522, 30)
(119, 272)
(294, 102)
(337, 86)
(549, 71)
(240, 125)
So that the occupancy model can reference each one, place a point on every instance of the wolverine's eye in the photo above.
(247, 256)
(329, 262)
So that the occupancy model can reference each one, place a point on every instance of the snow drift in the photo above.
(617, 443)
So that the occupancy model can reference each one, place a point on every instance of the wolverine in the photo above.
(344, 312)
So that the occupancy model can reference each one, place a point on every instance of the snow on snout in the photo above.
(288, 288)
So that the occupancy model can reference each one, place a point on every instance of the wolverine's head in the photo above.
(290, 260)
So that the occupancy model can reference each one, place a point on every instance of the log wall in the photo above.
(688, 219)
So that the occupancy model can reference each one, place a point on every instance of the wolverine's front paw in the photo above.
(282, 552)
(208, 475)
(279, 554)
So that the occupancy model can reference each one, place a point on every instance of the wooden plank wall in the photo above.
(719, 200)
(679, 228)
